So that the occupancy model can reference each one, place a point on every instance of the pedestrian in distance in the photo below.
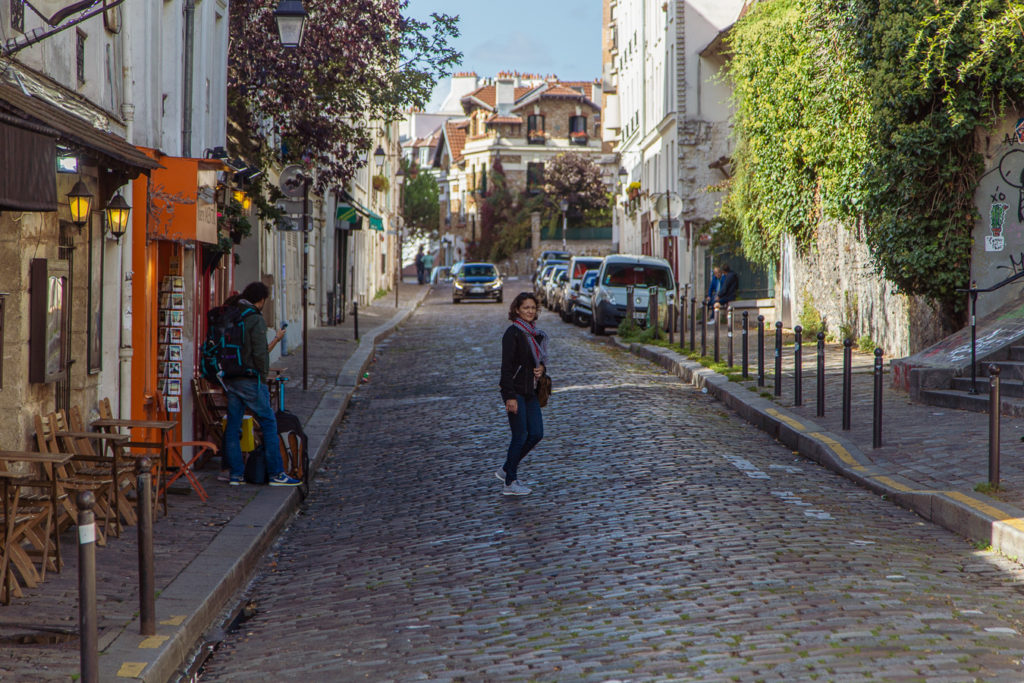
(524, 355)
(728, 286)
(428, 267)
(419, 265)
(709, 300)
(251, 391)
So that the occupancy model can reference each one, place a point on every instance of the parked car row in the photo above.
(589, 290)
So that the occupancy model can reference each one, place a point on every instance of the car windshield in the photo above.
(556, 272)
(478, 270)
(581, 267)
(622, 274)
(588, 279)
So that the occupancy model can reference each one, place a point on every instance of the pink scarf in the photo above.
(538, 340)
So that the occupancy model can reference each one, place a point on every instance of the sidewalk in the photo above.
(930, 461)
(205, 552)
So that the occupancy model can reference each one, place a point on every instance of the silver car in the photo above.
(581, 308)
(550, 283)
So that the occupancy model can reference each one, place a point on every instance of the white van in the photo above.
(619, 270)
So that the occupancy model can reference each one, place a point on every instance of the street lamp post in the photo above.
(290, 16)
(564, 206)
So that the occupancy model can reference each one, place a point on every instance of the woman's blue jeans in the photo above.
(249, 392)
(527, 430)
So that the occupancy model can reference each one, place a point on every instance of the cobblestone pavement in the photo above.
(665, 539)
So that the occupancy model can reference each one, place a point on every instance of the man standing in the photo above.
(709, 300)
(419, 265)
(428, 267)
(251, 391)
(728, 287)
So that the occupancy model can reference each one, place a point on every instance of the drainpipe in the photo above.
(186, 118)
(124, 251)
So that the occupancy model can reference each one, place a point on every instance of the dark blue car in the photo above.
(477, 281)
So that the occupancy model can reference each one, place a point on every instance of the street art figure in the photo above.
(1011, 169)
(997, 216)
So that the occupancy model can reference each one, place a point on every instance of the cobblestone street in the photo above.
(665, 539)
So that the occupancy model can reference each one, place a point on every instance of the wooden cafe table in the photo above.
(164, 427)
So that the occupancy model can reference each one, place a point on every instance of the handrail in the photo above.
(973, 290)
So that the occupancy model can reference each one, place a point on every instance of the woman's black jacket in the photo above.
(516, 365)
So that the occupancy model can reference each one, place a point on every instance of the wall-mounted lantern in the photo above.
(79, 201)
(117, 216)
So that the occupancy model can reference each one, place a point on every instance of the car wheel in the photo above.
(454, 300)
(498, 300)
(595, 329)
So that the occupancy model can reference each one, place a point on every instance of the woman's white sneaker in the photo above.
(515, 489)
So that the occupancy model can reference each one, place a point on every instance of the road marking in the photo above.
(788, 420)
(152, 642)
(793, 499)
(131, 669)
(174, 621)
(746, 467)
(839, 450)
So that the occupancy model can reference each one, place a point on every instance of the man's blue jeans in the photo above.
(527, 431)
(249, 392)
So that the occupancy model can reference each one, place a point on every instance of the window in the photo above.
(18, 15)
(80, 57)
(578, 130)
(535, 129)
(640, 276)
(534, 176)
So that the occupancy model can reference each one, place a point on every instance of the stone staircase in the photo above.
(1011, 387)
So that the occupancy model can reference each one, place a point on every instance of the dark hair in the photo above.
(725, 268)
(513, 309)
(255, 292)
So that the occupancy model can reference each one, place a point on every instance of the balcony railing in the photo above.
(578, 138)
(536, 137)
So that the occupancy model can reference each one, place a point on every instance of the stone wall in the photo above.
(837, 280)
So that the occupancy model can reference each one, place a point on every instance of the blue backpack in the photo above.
(221, 356)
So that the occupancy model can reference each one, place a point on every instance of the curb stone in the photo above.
(964, 512)
(197, 601)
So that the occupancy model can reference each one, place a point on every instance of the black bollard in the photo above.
(743, 346)
(147, 573)
(876, 433)
(798, 366)
(652, 309)
(671, 324)
(760, 350)
(728, 322)
(87, 622)
(355, 318)
(821, 374)
(629, 304)
(778, 358)
(994, 406)
(847, 381)
(682, 323)
(718, 330)
(693, 324)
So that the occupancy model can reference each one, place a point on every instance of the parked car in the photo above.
(543, 270)
(560, 294)
(578, 266)
(550, 282)
(538, 282)
(548, 256)
(477, 281)
(619, 270)
(581, 306)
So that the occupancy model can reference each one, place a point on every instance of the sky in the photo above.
(560, 37)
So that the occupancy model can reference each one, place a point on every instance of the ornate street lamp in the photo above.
(117, 216)
(290, 16)
(378, 157)
(79, 201)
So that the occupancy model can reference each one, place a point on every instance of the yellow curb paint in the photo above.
(838, 449)
(131, 669)
(788, 420)
(994, 512)
(174, 621)
(152, 642)
(893, 484)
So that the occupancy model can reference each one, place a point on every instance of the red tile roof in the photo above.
(488, 94)
(455, 131)
(586, 87)
(494, 118)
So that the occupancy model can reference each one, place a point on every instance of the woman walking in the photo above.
(524, 353)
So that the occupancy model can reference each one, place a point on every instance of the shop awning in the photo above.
(28, 166)
(75, 131)
(347, 218)
(376, 222)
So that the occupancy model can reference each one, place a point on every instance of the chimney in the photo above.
(505, 92)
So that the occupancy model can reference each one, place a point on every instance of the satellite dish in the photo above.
(668, 207)
(292, 181)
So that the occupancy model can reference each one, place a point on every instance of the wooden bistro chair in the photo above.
(186, 468)
(85, 471)
(31, 497)
(122, 468)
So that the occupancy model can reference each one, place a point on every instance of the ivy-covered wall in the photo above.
(865, 112)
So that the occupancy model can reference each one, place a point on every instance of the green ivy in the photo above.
(866, 111)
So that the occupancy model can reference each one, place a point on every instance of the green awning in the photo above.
(376, 222)
(347, 218)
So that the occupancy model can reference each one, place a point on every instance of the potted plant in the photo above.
(380, 183)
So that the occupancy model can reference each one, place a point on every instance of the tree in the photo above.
(576, 178)
(420, 205)
(360, 61)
